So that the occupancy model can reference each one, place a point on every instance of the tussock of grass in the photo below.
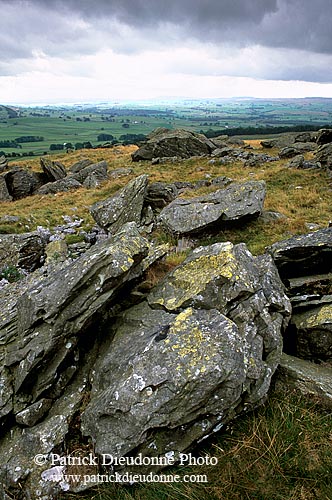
(281, 451)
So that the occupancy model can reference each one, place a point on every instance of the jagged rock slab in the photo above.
(3, 163)
(201, 350)
(41, 327)
(324, 136)
(22, 250)
(303, 255)
(21, 183)
(4, 194)
(310, 378)
(54, 170)
(324, 155)
(238, 202)
(125, 206)
(170, 143)
(160, 194)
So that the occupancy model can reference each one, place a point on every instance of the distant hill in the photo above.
(7, 112)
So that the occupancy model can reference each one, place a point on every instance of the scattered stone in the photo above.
(120, 172)
(269, 216)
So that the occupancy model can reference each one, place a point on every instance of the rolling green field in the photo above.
(77, 124)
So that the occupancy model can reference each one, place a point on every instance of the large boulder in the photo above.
(20, 182)
(125, 206)
(238, 202)
(160, 194)
(170, 143)
(99, 170)
(21, 250)
(199, 352)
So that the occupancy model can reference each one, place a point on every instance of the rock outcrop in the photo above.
(170, 143)
(201, 350)
(238, 202)
(22, 250)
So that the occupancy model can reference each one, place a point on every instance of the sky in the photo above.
(57, 51)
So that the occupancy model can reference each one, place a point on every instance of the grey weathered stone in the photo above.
(21, 183)
(180, 143)
(42, 324)
(324, 136)
(305, 137)
(54, 170)
(120, 172)
(21, 250)
(66, 184)
(199, 352)
(296, 162)
(125, 206)
(310, 378)
(220, 152)
(238, 202)
(160, 194)
(269, 216)
(34, 413)
(304, 255)
(3, 163)
(313, 331)
(79, 165)
(324, 155)
(98, 169)
(4, 194)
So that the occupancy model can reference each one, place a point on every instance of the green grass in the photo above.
(281, 451)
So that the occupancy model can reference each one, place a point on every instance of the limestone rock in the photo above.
(160, 194)
(4, 194)
(314, 333)
(304, 255)
(238, 202)
(99, 170)
(54, 170)
(201, 350)
(169, 143)
(324, 136)
(310, 378)
(66, 184)
(20, 182)
(21, 250)
(3, 163)
(79, 165)
(324, 155)
(125, 206)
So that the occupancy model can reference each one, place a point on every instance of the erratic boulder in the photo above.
(3, 163)
(237, 203)
(125, 206)
(160, 194)
(324, 155)
(98, 170)
(21, 182)
(200, 351)
(170, 143)
(4, 194)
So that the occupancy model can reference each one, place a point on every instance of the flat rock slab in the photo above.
(238, 202)
(310, 378)
(303, 255)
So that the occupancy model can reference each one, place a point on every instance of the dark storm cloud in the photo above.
(278, 23)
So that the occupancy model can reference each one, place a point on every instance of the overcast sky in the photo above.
(84, 50)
